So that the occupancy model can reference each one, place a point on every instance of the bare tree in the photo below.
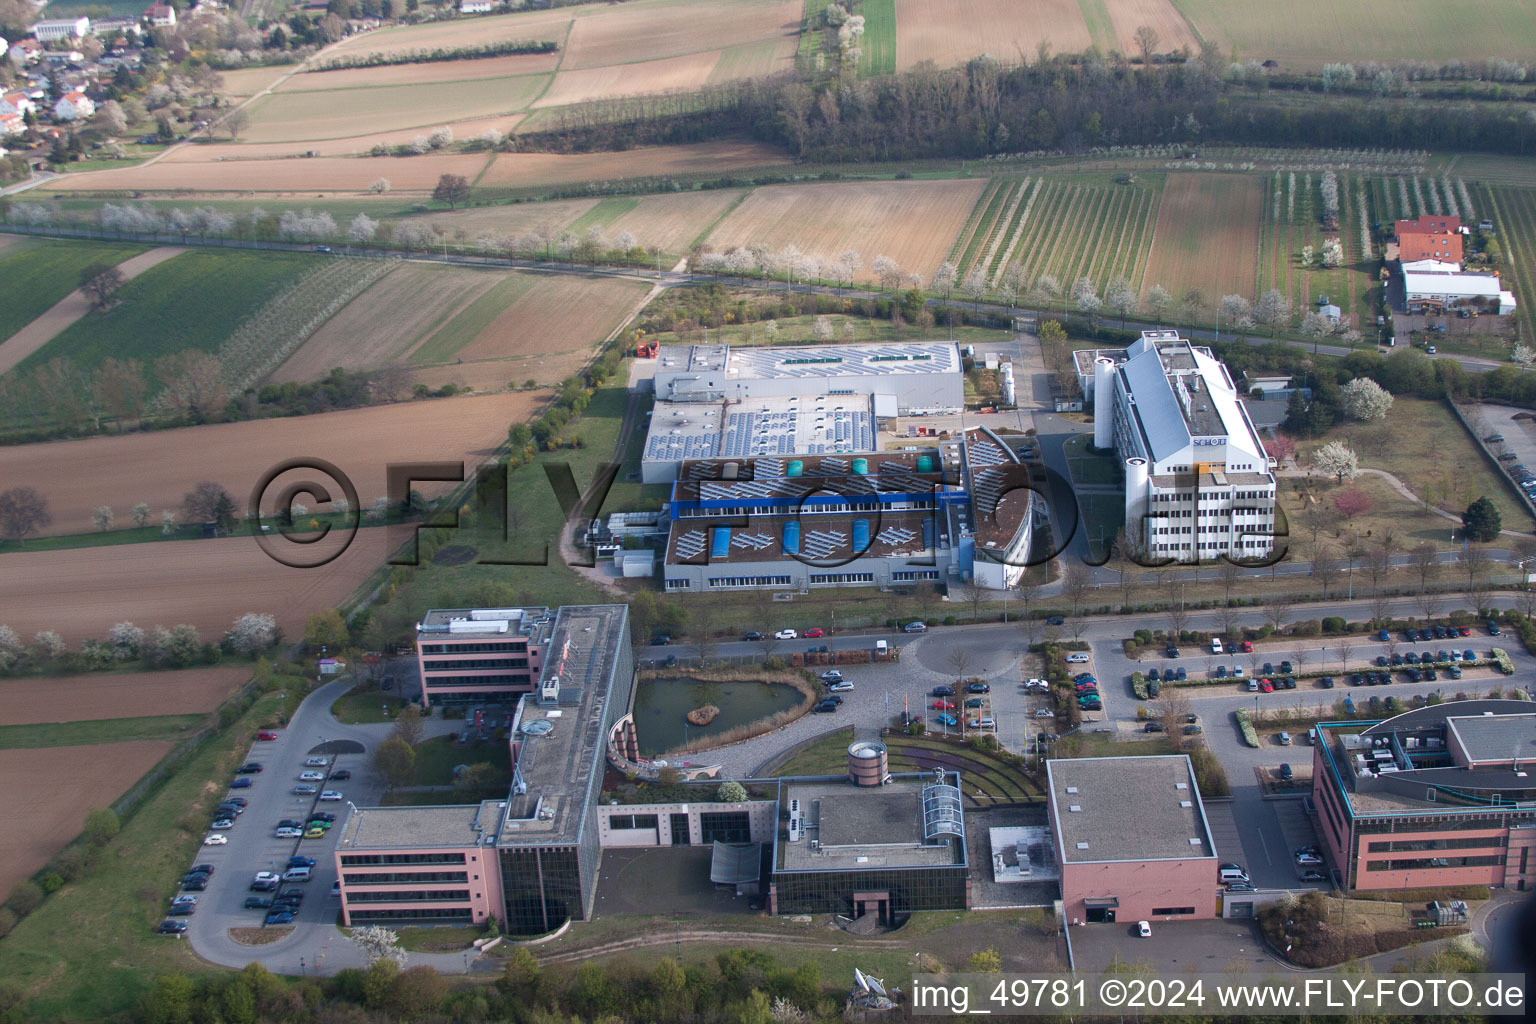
(1146, 41)
(1425, 561)
(1227, 572)
(1476, 564)
(451, 189)
(23, 511)
(1178, 619)
(1076, 624)
(101, 282)
(235, 122)
(1346, 648)
(1325, 567)
(1228, 618)
(1299, 655)
(1076, 582)
(1378, 562)
(1429, 603)
(193, 384)
(703, 624)
(1381, 606)
(959, 660)
(1276, 610)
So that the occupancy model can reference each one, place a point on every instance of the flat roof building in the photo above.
(1442, 288)
(421, 865)
(471, 655)
(719, 401)
(1197, 477)
(1438, 796)
(1132, 839)
(885, 847)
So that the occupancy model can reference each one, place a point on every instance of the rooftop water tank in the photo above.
(925, 463)
(791, 538)
(868, 764)
(795, 468)
(860, 467)
(860, 536)
(720, 547)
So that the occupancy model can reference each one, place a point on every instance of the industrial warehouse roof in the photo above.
(775, 467)
(761, 427)
(1499, 739)
(827, 540)
(842, 360)
(1441, 282)
(864, 827)
(1127, 809)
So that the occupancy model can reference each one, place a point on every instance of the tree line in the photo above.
(1070, 103)
(508, 48)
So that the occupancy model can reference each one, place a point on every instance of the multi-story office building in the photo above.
(474, 655)
(1198, 483)
(1439, 796)
(1132, 839)
(531, 859)
(420, 865)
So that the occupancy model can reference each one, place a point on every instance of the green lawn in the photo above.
(367, 708)
(88, 953)
(35, 273)
(436, 759)
(103, 730)
(1090, 469)
(604, 213)
(194, 301)
(993, 775)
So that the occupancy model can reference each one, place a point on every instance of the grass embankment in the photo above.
(105, 730)
(367, 707)
(88, 953)
(36, 273)
(990, 778)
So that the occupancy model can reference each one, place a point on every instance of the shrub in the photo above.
(1245, 724)
(26, 896)
(50, 882)
(731, 793)
(1502, 659)
(8, 921)
(1334, 624)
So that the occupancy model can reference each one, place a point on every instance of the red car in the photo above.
(1464, 630)
(1247, 647)
(814, 632)
(943, 705)
(266, 734)
(1266, 686)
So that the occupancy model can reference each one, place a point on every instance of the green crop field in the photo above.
(879, 43)
(1513, 211)
(472, 319)
(90, 733)
(1309, 33)
(193, 301)
(35, 273)
(1292, 220)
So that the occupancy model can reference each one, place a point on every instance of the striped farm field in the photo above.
(1291, 219)
(951, 32)
(1207, 235)
(1513, 211)
(1079, 229)
(912, 222)
(324, 113)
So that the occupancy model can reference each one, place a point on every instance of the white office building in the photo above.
(61, 28)
(1197, 477)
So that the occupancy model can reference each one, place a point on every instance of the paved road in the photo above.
(315, 944)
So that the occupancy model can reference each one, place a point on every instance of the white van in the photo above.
(1232, 873)
(882, 648)
(296, 875)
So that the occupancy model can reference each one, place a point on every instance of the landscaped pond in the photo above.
(662, 704)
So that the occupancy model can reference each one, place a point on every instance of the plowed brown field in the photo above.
(159, 467)
(557, 317)
(415, 74)
(48, 792)
(652, 29)
(914, 223)
(951, 32)
(460, 32)
(110, 694)
(321, 174)
(687, 73)
(1207, 235)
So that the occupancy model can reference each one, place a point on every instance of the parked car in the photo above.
(814, 632)
(832, 676)
(786, 634)
(1152, 727)
(661, 640)
(195, 883)
(1493, 628)
(1246, 647)
(1154, 676)
(266, 734)
(1056, 620)
(265, 876)
(244, 782)
(169, 927)
(978, 688)
(222, 823)
(1216, 645)
(1182, 673)
(1266, 686)
(182, 909)
(332, 795)
(1078, 658)
(1284, 738)
(250, 768)
(1383, 635)
(340, 775)
(823, 707)
(1312, 874)
(322, 816)
(1326, 682)
(1144, 929)
(1286, 772)
(943, 691)
(311, 776)
(915, 627)
(304, 789)
(943, 705)
(754, 635)
(203, 869)
(289, 832)
(317, 762)
(280, 917)
(981, 723)
(842, 687)
(947, 719)
(1171, 651)
(1045, 713)
(217, 839)
(976, 702)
